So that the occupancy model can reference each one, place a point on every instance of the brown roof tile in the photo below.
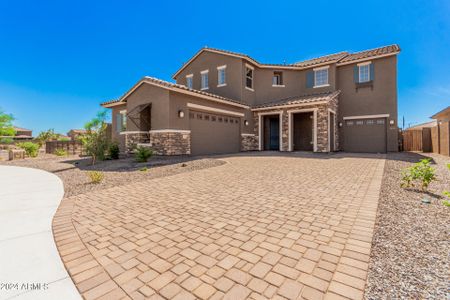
(371, 53)
(301, 99)
(332, 58)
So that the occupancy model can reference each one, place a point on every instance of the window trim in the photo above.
(328, 77)
(281, 79)
(363, 64)
(220, 68)
(253, 77)
(192, 78)
(201, 80)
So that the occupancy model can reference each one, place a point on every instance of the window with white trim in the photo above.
(321, 77)
(249, 77)
(364, 73)
(190, 81)
(205, 78)
(277, 79)
(121, 121)
(221, 76)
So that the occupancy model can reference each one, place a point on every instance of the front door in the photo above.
(272, 132)
(303, 133)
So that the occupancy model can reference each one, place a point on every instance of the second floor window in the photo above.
(221, 76)
(364, 73)
(190, 81)
(321, 77)
(205, 79)
(277, 79)
(249, 77)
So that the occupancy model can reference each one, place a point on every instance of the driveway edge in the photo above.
(88, 275)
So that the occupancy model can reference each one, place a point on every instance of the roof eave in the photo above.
(366, 58)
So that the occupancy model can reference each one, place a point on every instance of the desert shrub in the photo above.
(6, 140)
(143, 153)
(95, 140)
(420, 172)
(63, 139)
(144, 169)
(31, 149)
(96, 176)
(60, 152)
(114, 151)
(44, 136)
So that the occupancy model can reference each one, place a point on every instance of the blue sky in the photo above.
(60, 59)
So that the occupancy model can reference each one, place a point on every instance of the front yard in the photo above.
(410, 245)
(73, 170)
(410, 248)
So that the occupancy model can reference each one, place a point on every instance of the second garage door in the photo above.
(365, 135)
(213, 133)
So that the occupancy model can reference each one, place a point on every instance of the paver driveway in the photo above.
(257, 227)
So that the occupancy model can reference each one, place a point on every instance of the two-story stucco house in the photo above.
(224, 102)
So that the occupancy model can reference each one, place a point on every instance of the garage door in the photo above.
(365, 135)
(213, 133)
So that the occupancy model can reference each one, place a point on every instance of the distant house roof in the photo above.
(442, 112)
(77, 130)
(22, 129)
(422, 125)
(173, 87)
(339, 58)
(301, 99)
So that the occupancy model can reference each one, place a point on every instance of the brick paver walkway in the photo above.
(277, 227)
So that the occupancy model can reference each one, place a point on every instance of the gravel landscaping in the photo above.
(73, 170)
(410, 248)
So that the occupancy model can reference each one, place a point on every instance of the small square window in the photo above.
(277, 78)
(380, 121)
(213, 118)
(349, 123)
(360, 122)
(219, 119)
(370, 122)
(206, 117)
(199, 116)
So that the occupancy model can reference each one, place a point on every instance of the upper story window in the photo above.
(190, 81)
(365, 72)
(277, 79)
(321, 76)
(205, 79)
(221, 76)
(249, 77)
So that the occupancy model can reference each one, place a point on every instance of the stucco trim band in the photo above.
(212, 109)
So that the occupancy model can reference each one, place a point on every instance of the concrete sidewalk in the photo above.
(30, 266)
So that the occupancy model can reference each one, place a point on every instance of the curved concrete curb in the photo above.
(30, 264)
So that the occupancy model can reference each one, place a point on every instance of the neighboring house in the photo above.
(226, 102)
(23, 134)
(441, 133)
(422, 125)
(74, 133)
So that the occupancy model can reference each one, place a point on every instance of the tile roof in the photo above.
(172, 86)
(332, 58)
(21, 129)
(301, 99)
(391, 49)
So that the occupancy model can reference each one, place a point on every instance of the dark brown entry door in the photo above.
(303, 135)
(272, 132)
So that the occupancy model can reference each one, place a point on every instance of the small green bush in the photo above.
(114, 151)
(6, 140)
(143, 153)
(421, 172)
(144, 169)
(96, 176)
(60, 152)
(31, 149)
(63, 139)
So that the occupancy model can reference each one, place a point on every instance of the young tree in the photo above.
(44, 136)
(6, 127)
(95, 140)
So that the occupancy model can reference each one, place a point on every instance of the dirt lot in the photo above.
(410, 248)
(73, 169)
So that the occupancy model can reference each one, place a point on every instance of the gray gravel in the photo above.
(73, 169)
(410, 249)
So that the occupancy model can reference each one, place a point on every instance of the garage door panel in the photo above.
(213, 133)
(365, 135)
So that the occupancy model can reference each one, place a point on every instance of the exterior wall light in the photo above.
(246, 123)
(391, 122)
(340, 124)
(181, 114)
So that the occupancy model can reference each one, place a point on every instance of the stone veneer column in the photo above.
(170, 142)
(249, 142)
(134, 138)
